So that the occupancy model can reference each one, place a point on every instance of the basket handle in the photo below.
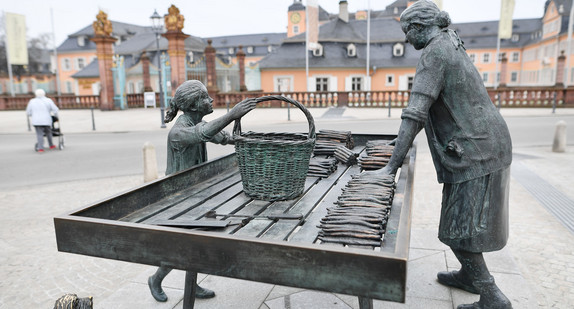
(237, 125)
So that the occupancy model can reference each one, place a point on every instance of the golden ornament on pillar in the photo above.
(173, 20)
(102, 26)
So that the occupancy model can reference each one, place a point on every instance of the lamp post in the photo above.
(157, 28)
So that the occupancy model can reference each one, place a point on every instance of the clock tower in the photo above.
(296, 18)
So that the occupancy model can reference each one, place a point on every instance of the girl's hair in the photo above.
(426, 13)
(185, 98)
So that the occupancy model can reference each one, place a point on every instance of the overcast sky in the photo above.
(208, 18)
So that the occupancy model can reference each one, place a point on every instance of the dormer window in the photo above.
(398, 50)
(351, 50)
(269, 48)
(250, 49)
(515, 37)
(318, 52)
(81, 40)
(230, 50)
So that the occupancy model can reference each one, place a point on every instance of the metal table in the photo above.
(282, 252)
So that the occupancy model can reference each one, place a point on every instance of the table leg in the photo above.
(365, 303)
(189, 289)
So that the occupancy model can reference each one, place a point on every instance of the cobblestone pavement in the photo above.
(542, 248)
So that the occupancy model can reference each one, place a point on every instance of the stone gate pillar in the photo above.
(176, 46)
(104, 51)
(145, 72)
(210, 72)
(559, 82)
(241, 61)
(503, 71)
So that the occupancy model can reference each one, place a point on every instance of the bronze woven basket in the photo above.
(274, 166)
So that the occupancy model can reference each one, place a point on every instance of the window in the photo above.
(398, 50)
(351, 50)
(250, 49)
(66, 66)
(356, 83)
(69, 87)
(515, 37)
(318, 52)
(390, 80)
(410, 82)
(515, 57)
(295, 29)
(80, 63)
(231, 50)
(131, 88)
(486, 58)
(270, 48)
(485, 77)
(81, 40)
(514, 77)
(283, 83)
(472, 58)
(322, 84)
(501, 56)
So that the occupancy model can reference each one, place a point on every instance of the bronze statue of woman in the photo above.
(470, 146)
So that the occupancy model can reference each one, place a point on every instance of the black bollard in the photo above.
(93, 120)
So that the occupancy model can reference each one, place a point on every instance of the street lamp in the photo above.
(157, 28)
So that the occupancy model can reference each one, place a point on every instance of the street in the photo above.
(100, 155)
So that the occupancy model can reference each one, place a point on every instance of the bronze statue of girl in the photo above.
(186, 147)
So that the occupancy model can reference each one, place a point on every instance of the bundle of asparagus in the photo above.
(378, 155)
(328, 140)
(361, 212)
(319, 167)
(345, 155)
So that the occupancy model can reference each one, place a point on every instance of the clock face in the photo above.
(295, 18)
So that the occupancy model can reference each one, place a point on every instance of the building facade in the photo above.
(340, 61)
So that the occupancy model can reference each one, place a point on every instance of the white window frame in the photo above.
(81, 40)
(83, 65)
(295, 29)
(318, 52)
(392, 82)
(360, 83)
(321, 81)
(515, 57)
(485, 77)
(351, 50)
(472, 57)
(66, 64)
(276, 82)
(514, 76)
(486, 58)
(250, 49)
(398, 50)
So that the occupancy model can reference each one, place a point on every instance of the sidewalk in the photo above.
(535, 270)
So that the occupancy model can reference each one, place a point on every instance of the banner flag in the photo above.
(16, 38)
(438, 3)
(312, 17)
(505, 23)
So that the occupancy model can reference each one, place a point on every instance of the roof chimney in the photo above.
(343, 11)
